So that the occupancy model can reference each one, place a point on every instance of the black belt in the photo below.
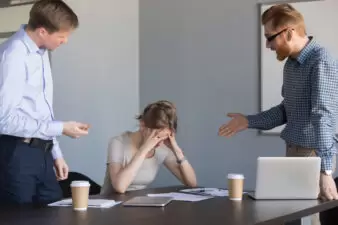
(44, 145)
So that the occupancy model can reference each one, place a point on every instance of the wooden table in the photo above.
(213, 211)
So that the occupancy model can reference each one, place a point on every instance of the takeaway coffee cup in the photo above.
(80, 195)
(235, 186)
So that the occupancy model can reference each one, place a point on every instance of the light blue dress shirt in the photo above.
(26, 91)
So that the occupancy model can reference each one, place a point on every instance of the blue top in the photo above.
(26, 91)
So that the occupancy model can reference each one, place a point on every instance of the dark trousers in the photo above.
(330, 217)
(26, 174)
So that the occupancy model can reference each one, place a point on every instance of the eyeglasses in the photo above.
(272, 37)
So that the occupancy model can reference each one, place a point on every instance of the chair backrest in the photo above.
(65, 184)
(330, 217)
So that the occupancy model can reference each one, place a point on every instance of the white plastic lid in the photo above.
(80, 183)
(235, 176)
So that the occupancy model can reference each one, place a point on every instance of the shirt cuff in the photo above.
(56, 151)
(55, 128)
(326, 163)
(253, 120)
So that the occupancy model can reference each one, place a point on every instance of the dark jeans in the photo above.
(26, 174)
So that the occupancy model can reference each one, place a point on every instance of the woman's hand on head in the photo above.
(171, 142)
(152, 138)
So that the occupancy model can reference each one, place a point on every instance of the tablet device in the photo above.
(148, 201)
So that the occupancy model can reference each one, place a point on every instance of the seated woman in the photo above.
(135, 157)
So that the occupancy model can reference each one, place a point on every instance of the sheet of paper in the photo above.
(92, 203)
(181, 196)
(216, 192)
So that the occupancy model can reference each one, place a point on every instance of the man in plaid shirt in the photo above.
(310, 95)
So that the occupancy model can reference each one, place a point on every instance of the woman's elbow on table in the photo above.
(119, 188)
(191, 181)
(192, 184)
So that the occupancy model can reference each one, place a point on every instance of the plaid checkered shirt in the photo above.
(310, 103)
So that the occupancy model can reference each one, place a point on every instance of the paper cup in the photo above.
(80, 195)
(235, 186)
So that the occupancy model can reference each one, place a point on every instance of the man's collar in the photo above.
(30, 44)
(306, 51)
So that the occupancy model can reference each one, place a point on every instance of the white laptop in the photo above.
(287, 178)
(148, 201)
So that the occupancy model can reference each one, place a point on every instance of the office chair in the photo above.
(65, 184)
(330, 217)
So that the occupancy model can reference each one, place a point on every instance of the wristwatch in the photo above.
(327, 172)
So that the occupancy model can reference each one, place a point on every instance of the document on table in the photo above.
(215, 192)
(182, 196)
(92, 203)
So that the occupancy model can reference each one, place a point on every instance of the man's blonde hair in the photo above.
(284, 15)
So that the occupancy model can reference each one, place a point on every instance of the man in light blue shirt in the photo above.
(28, 147)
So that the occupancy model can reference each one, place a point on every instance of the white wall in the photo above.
(96, 79)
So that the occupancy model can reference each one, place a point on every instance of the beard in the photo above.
(283, 52)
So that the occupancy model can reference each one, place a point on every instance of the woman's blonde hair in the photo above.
(159, 115)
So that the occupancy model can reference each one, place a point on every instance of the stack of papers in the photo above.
(92, 203)
(181, 196)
